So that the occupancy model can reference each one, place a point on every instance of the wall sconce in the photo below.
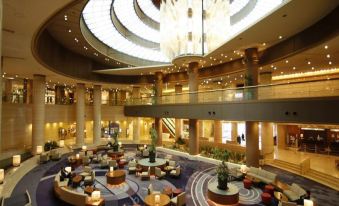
(96, 195)
(38, 149)
(2, 175)
(16, 160)
(84, 147)
(61, 143)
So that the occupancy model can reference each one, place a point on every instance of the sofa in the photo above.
(294, 192)
(55, 155)
(262, 175)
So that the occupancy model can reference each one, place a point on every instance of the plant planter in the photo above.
(222, 184)
(152, 156)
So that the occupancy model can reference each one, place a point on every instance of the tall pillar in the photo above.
(136, 94)
(267, 143)
(234, 131)
(158, 93)
(217, 131)
(252, 144)
(136, 129)
(80, 114)
(201, 132)
(281, 136)
(1, 72)
(38, 111)
(96, 114)
(178, 122)
(193, 137)
(251, 72)
(158, 128)
(8, 89)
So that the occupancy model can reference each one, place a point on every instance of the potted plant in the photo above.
(115, 143)
(222, 174)
(152, 148)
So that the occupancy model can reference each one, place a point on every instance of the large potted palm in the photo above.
(152, 148)
(222, 175)
(115, 143)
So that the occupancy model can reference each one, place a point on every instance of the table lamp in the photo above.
(61, 143)
(38, 149)
(84, 147)
(157, 199)
(111, 169)
(96, 195)
(68, 169)
(16, 160)
(308, 202)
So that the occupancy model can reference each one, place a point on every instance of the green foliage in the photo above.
(222, 154)
(222, 174)
(50, 145)
(180, 141)
(154, 138)
(115, 143)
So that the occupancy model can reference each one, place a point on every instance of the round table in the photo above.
(116, 177)
(145, 164)
(225, 197)
(150, 200)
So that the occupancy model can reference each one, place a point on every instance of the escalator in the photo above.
(169, 124)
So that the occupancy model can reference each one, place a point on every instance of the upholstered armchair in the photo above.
(87, 171)
(85, 160)
(171, 165)
(55, 155)
(179, 200)
(145, 153)
(90, 154)
(294, 192)
(44, 157)
(104, 163)
(132, 166)
(89, 180)
(176, 172)
(150, 190)
(112, 163)
(145, 175)
(158, 173)
(97, 158)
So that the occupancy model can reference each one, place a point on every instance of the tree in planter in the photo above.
(152, 148)
(222, 175)
(115, 144)
(50, 145)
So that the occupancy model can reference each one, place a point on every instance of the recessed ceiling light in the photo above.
(281, 72)
(275, 68)
(312, 68)
(293, 68)
(328, 56)
(231, 59)
(326, 47)
(280, 37)
(308, 62)
(69, 30)
(264, 44)
(260, 68)
(286, 61)
(329, 62)
(272, 65)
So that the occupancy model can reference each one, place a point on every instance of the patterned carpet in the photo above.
(194, 180)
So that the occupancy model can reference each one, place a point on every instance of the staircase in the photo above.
(169, 123)
(323, 178)
(317, 176)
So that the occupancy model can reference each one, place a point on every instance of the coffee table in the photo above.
(76, 180)
(163, 201)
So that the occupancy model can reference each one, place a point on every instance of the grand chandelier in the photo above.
(192, 27)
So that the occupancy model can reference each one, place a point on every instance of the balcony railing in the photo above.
(262, 92)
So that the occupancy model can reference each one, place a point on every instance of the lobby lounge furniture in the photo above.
(97, 158)
(150, 200)
(145, 153)
(44, 157)
(281, 197)
(150, 190)
(76, 180)
(269, 189)
(266, 198)
(85, 160)
(158, 173)
(90, 153)
(247, 183)
(89, 180)
(283, 203)
(235, 173)
(113, 163)
(55, 155)
(103, 163)
(132, 165)
(179, 200)
(86, 172)
(146, 174)
(116, 177)
(294, 192)
(176, 172)
(171, 165)
(262, 175)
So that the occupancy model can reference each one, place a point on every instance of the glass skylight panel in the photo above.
(149, 9)
(97, 17)
(124, 10)
(237, 5)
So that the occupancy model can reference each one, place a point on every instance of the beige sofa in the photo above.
(294, 192)
(262, 175)
(67, 194)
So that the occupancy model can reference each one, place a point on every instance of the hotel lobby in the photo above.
(169, 103)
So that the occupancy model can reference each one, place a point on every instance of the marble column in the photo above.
(252, 144)
(136, 94)
(281, 136)
(178, 122)
(201, 132)
(158, 93)
(27, 91)
(96, 114)
(267, 143)
(217, 131)
(80, 114)
(234, 131)
(251, 73)
(136, 129)
(1, 72)
(38, 111)
(122, 97)
(8, 89)
(193, 76)
(193, 137)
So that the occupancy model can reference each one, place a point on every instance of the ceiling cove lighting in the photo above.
(306, 74)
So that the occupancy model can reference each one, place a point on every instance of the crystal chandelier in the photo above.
(192, 27)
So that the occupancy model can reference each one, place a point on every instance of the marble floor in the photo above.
(319, 162)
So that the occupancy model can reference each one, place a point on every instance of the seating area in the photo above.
(53, 154)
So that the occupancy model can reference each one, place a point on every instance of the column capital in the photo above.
(193, 67)
(251, 55)
(158, 76)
